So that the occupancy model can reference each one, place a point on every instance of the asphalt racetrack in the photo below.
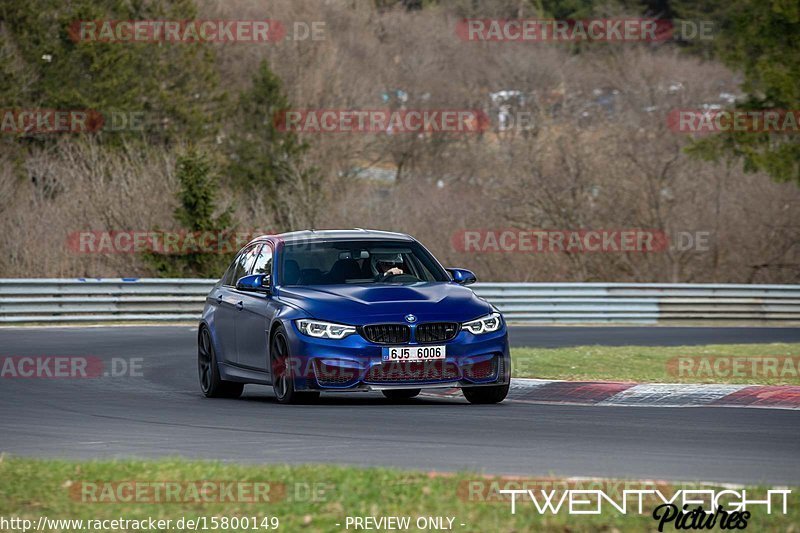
(161, 412)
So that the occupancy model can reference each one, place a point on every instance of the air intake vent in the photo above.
(387, 333)
(437, 332)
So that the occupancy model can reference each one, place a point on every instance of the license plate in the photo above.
(413, 353)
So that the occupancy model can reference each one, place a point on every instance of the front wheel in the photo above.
(486, 395)
(212, 385)
(282, 377)
(402, 394)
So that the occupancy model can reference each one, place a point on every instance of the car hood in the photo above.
(367, 304)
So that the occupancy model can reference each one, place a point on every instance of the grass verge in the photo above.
(767, 364)
(312, 498)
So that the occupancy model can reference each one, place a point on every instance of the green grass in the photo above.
(32, 488)
(653, 364)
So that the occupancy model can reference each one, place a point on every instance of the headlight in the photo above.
(324, 330)
(486, 324)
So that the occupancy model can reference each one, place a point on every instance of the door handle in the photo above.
(239, 306)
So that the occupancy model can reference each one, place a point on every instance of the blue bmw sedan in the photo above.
(349, 310)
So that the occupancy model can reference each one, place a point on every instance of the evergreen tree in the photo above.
(171, 87)
(761, 38)
(264, 158)
(196, 215)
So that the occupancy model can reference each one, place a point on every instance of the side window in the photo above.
(263, 264)
(240, 266)
(227, 278)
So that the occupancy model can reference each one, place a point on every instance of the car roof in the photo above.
(340, 235)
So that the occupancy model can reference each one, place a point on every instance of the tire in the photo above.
(401, 394)
(486, 395)
(210, 382)
(282, 380)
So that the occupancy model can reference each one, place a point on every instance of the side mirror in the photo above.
(254, 283)
(462, 276)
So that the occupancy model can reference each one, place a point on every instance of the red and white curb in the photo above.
(612, 393)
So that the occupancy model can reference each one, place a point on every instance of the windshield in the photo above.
(340, 262)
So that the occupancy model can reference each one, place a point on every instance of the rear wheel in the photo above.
(282, 378)
(402, 394)
(485, 395)
(210, 382)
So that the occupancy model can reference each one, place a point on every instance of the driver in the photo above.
(386, 265)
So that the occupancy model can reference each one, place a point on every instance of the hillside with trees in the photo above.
(578, 138)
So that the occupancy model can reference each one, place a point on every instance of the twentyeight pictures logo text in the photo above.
(681, 509)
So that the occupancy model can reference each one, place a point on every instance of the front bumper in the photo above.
(355, 364)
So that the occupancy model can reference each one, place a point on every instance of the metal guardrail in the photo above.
(165, 300)
(644, 303)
